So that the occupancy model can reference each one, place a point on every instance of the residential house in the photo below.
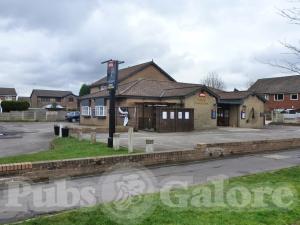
(155, 101)
(48, 98)
(8, 94)
(280, 92)
(24, 99)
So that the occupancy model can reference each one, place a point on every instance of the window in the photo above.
(8, 98)
(278, 97)
(44, 99)
(294, 96)
(85, 110)
(103, 87)
(267, 97)
(100, 110)
(58, 99)
(187, 115)
(71, 99)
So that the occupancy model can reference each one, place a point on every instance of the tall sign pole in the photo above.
(112, 85)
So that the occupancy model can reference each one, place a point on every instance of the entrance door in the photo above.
(223, 116)
(149, 118)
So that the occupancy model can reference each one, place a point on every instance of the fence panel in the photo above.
(33, 115)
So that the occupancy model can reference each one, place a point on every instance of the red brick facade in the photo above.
(286, 103)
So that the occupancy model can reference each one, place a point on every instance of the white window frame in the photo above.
(85, 110)
(100, 110)
(103, 87)
(276, 100)
(294, 99)
(8, 98)
(267, 97)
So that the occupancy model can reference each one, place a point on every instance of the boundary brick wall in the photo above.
(39, 171)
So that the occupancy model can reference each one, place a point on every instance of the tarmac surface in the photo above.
(22, 138)
(188, 140)
(28, 201)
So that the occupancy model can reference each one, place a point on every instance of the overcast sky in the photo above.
(59, 44)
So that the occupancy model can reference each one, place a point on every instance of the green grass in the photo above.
(163, 215)
(65, 148)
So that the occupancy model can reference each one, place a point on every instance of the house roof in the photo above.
(152, 89)
(227, 96)
(287, 84)
(8, 91)
(130, 71)
(51, 93)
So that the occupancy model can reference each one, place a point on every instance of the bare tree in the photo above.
(214, 80)
(293, 16)
(249, 83)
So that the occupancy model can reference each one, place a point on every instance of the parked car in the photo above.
(73, 116)
(288, 111)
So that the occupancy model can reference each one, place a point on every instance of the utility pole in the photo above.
(112, 85)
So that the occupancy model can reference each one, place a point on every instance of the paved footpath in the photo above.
(192, 173)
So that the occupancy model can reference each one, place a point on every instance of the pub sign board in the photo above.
(112, 74)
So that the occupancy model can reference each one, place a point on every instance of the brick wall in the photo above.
(78, 167)
(286, 104)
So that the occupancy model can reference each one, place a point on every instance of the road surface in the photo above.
(103, 185)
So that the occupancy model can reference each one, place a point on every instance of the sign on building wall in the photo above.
(202, 99)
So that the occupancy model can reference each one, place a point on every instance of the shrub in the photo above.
(8, 106)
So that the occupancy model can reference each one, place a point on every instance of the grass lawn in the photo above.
(163, 215)
(66, 148)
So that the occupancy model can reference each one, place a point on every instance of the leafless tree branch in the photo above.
(293, 15)
(214, 80)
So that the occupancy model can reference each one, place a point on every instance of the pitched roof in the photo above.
(287, 84)
(152, 89)
(8, 91)
(235, 95)
(129, 71)
(51, 93)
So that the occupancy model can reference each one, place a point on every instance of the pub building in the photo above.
(148, 98)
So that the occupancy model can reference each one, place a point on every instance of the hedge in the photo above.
(8, 106)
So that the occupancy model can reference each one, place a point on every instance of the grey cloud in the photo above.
(60, 44)
(46, 14)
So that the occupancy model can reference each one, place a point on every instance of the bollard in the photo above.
(149, 146)
(60, 130)
(93, 137)
(79, 135)
(116, 141)
(130, 140)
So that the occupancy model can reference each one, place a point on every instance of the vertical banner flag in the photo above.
(112, 74)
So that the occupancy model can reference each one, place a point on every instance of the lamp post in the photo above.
(112, 85)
